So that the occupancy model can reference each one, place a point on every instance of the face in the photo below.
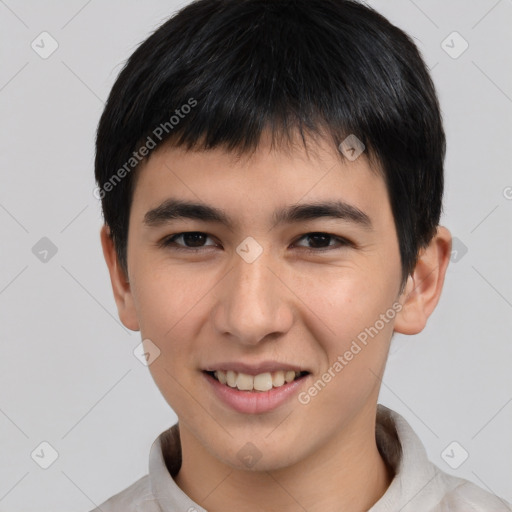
(258, 298)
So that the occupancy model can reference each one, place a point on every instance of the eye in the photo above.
(321, 241)
(192, 240)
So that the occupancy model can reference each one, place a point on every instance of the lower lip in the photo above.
(254, 402)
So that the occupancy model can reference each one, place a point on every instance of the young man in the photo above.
(271, 177)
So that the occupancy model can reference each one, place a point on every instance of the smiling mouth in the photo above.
(258, 383)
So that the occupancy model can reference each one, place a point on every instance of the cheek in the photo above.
(166, 302)
(344, 306)
(355, 346)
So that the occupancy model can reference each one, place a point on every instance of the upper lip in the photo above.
(254, 369)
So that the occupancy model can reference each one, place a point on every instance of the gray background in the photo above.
(68, 375)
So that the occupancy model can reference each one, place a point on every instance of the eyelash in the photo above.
(168, 241)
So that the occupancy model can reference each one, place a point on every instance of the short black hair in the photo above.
(220, 72)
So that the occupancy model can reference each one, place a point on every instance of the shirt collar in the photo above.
(415, 477)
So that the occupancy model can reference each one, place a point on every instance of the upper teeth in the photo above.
(260, 382)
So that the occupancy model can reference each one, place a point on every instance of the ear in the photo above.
(424, 285)
(120, 285)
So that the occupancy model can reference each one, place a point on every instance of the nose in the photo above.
(254, 304)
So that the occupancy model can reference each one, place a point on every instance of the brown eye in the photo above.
(322, 241)
(319, 240)
(190, 240)
(194, 239)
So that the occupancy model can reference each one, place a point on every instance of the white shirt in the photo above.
(418, 485)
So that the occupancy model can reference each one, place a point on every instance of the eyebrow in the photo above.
(172, 209)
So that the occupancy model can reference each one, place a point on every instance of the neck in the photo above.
(345, 474)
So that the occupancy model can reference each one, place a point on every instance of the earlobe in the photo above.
(120, 285)
(424, 285)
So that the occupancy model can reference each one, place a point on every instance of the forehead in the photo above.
(260, 183)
